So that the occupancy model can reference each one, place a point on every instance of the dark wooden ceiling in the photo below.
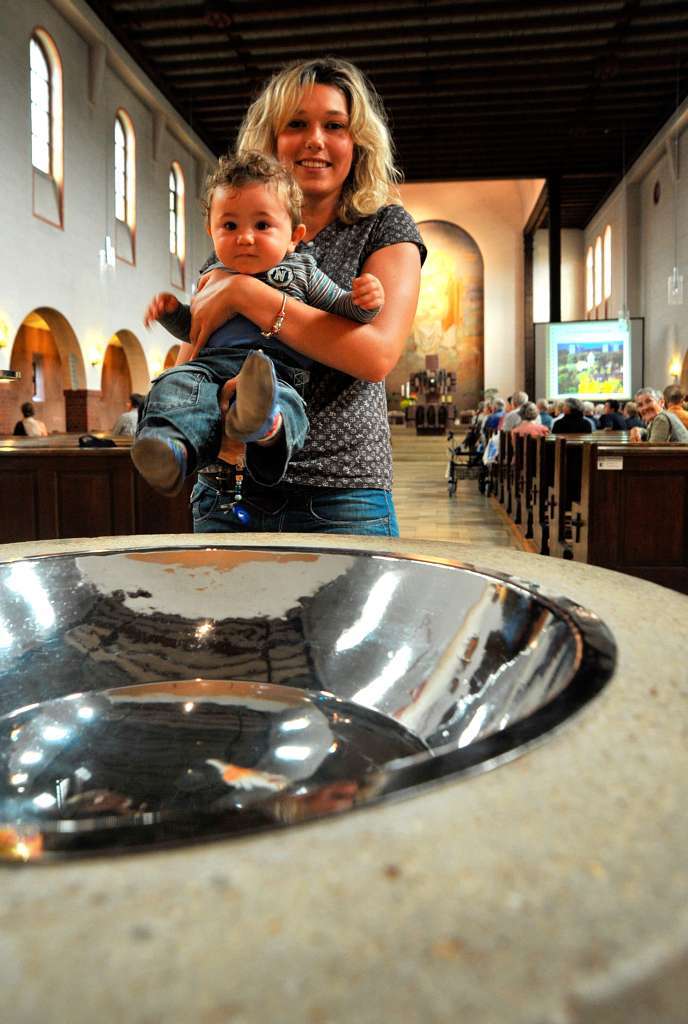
(475, 89)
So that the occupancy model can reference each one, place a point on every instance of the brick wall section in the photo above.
(9, 403)
(32, 341)
(82, 410)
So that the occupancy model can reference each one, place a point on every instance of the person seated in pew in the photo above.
(514, 415)
(29, 426)
(546, 417)
(528, 424)
(573, 421)
(129, 420)
(612, 419)
(557, 411)
(495, 417)
(589, 414)
(673, 402)
(631, 416)
(660, 425)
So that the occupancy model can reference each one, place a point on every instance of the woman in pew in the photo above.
(660, 425)
(631, 417)
(528, 425)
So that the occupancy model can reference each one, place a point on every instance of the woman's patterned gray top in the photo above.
(348, 444)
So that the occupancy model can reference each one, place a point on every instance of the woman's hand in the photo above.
(635, 435)
(212, 305)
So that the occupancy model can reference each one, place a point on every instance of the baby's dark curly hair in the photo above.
(251, 168)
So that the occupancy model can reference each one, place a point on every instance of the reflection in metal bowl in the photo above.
(155, 696)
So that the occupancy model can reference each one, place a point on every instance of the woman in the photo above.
(528, 426)
(322, 120)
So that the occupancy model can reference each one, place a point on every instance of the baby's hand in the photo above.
(367, 292)
(161, 303)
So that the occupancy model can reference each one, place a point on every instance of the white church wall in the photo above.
(644, 238)
(572, 278)
(46, 266)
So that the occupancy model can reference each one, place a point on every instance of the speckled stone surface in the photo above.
(552, 890)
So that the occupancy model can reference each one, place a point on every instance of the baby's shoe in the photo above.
(162, 462)
(254, 415)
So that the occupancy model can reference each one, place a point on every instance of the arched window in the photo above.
(125, 186)
(598, 271)
(607, 262)
(120, 170)
(589, 300)
(47, 158)
(176, 225)
(41, 108)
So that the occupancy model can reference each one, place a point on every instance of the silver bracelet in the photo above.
(279, 320)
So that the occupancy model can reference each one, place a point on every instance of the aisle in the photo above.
(423, 507)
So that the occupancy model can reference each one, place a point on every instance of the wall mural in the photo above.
(449, 318)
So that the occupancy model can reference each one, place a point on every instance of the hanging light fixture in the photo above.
(675, 279)
(624, 315)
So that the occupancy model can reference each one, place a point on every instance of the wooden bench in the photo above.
(574, 503)
(55, 490)
(566, 484)
(632, 511)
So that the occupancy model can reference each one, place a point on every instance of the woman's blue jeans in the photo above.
(357, 511)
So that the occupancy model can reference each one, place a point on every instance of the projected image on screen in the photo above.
(590, 368)
(591, 360)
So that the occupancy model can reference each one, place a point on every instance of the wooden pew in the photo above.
(60, 490)
(526, 451)
(566, 485)
(506, 452)
(517, 461)
(632, 512)
(524, 468)
(542, 498)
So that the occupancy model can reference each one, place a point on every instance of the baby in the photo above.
(253, 208)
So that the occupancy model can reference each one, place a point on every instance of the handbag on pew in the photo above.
(91, 441)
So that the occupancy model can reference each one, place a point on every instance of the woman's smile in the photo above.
(317, 144)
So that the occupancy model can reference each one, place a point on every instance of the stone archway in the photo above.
(124, 371)
(136, 359)
(448, 326)
(46, 352)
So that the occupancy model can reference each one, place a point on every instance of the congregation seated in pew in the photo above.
(575, 495)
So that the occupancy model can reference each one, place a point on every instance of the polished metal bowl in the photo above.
(153, 696)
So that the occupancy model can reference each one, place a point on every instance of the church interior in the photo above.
(534, 871)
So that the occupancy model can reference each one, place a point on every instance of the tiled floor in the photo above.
(423, 507)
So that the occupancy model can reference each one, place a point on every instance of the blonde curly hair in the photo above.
(373, 178)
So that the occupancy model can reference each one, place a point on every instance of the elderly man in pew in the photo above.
(674, 401)
(660, 424)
